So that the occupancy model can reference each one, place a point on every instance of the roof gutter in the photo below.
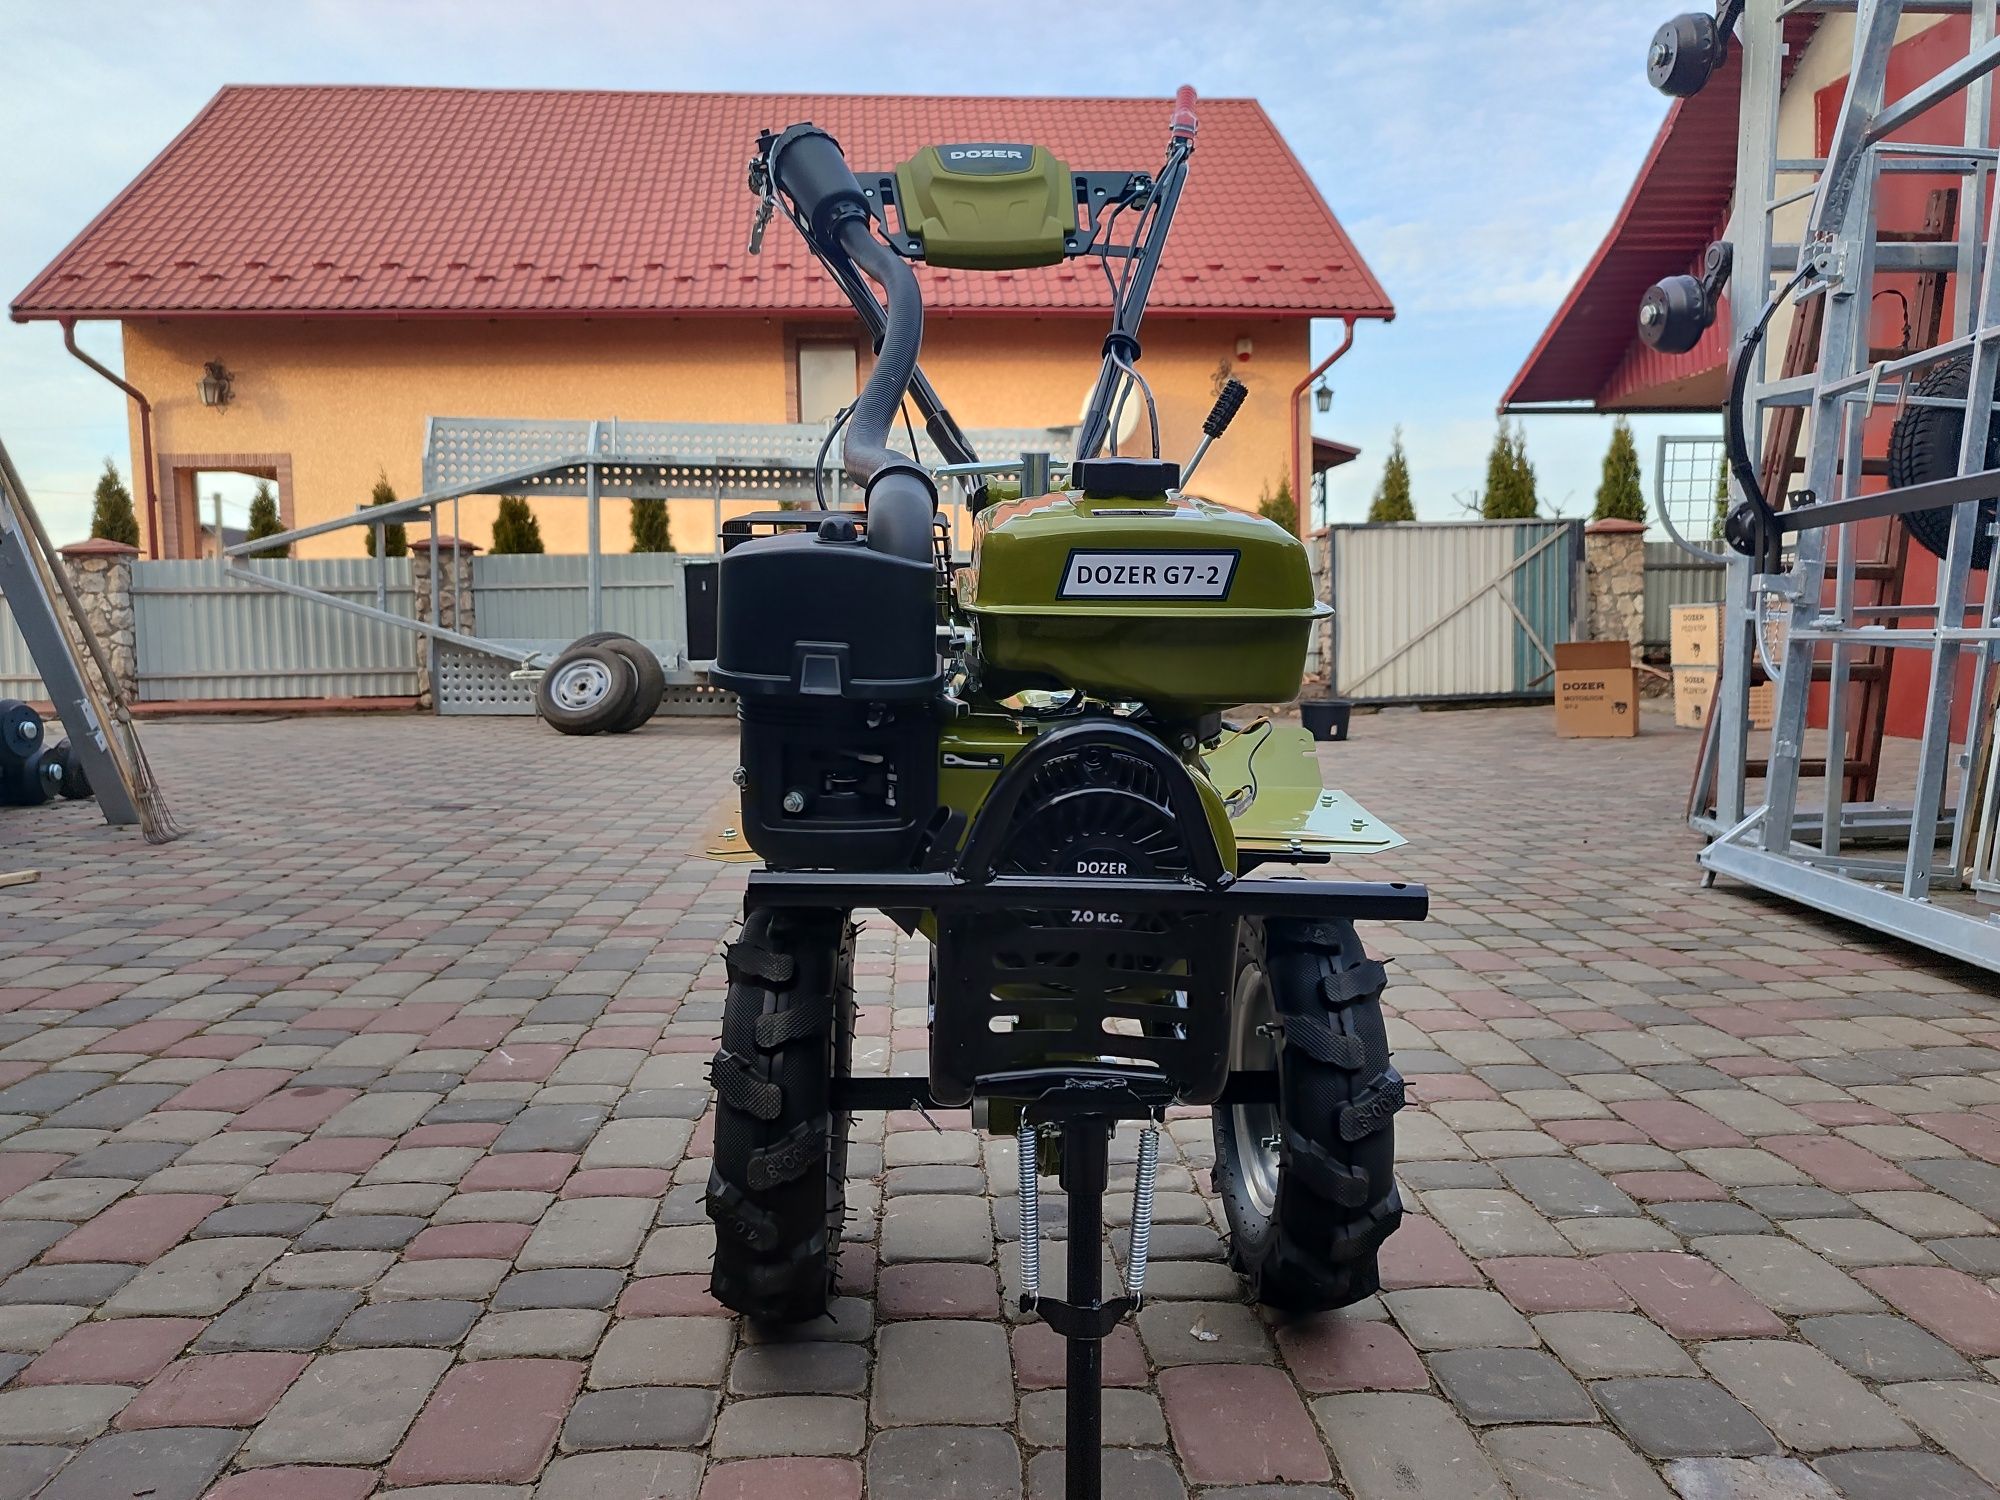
(1298, 394)
(145, 434)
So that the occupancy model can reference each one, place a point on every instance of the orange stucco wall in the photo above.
(344, 399)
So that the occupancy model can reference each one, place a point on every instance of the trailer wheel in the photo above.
(777, 1185)
(1923, 446)
(652, 683)
(1309, 1183)
(589, 689)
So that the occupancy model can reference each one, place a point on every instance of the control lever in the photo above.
(1220, 415)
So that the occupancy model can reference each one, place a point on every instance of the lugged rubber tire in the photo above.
(593, 718)
(1923, 446)
(1315, 1247)
(652, 684)
(777, 1185)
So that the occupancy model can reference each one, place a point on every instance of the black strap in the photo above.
(1319, 1041)
(1355, 982)
(1372, 1110)
(806, 1018)
(774, 970)
(797, 1152)
(742, 1089)
(1346, 1186)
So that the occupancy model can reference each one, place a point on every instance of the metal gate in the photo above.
(202, 636)
(1436, 611)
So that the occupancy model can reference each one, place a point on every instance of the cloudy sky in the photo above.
(1476, 151)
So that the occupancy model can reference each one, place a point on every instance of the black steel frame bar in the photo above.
(913, 1091)
(1385, 901)
(1938, 493)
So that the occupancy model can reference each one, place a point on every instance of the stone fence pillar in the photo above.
(1615, 561)
(1319, 660)
(101, 570)
(455, 608)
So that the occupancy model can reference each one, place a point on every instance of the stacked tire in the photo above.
(32, 771)
(603, 684)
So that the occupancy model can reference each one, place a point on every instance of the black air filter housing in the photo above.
(815, 614)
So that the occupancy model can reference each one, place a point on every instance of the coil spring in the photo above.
(1031, 1218)
(1142, 1211)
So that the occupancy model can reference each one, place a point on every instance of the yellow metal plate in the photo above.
(1269, 778)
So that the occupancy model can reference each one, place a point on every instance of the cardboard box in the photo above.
(1697, 634)
(1597, 691)
(1763, 706)
(1694, 691)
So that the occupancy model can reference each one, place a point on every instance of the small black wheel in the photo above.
(75, 780)
(21, 733)
(652, 683)
(589, 689)
(777, 1185)
(1923, 445)
(30, 782)
(1309, 1183)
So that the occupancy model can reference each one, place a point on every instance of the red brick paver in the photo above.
(494, 1421)
(1240, 1424)
(480, 1037)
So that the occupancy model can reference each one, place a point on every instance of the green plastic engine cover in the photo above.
(987, 205)
(1178, 603)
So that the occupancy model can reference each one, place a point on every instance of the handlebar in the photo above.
(806, 165)
(1121, 345)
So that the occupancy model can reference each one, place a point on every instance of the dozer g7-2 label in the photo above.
(1166, 574)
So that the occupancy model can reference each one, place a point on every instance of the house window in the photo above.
(828, 377)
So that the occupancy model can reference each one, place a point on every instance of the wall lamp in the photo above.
(217, 385)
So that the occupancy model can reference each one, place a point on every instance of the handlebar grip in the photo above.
(1225, 409)
(1184, 122)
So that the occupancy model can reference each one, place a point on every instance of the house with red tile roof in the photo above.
(358, 260)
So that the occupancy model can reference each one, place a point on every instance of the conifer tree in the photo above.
(111, 513)
(1619, 497)
(515, 528)
(1392, 496)
(264, 520)
(395, 536)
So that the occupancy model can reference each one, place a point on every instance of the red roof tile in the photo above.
(392, 201)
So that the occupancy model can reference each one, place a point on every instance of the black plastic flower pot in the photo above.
(1326, 718)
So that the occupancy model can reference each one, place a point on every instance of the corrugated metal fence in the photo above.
(17, 669)
(1674, 577)
(1442, 610)
(547, 598)
(1424, 611)
(204, 635)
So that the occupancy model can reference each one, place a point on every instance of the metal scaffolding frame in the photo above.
(1928, 893)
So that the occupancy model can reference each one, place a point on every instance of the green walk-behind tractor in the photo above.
(1025, 759)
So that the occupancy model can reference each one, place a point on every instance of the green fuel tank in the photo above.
(1178, 603)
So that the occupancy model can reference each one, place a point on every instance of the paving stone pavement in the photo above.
(355, 1144)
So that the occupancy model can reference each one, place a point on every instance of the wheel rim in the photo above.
(1254, 1127)
(579, 686)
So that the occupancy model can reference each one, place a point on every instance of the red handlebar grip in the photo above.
(1184, 121)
